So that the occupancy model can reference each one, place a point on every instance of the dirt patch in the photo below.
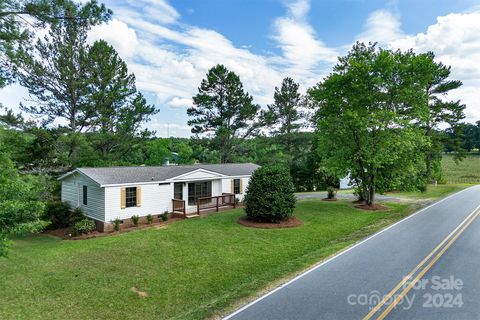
(327, 199)
(288, 223)
(141, 294)
(374, 207)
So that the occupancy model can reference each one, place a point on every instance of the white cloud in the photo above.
(382, 26)
(178, 102)
(118, 34)
(303, 53)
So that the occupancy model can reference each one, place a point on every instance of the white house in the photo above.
(106, 194)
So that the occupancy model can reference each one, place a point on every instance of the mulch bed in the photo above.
(375, 207)
(65, 233)
(327, 199)
(288, 223)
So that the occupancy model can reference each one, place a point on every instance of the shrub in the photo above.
(116, 224)
(270, 195)
(135, 220)
(331, 192)
(58, 213)
(76, 215)
(165, 216)
(422, 187)
(83, 226)
(149, 219)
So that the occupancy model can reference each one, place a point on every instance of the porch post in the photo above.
(216, 198)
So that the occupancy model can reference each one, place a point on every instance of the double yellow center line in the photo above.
(424, 265)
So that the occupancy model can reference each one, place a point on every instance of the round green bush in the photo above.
(270, 196)
(84, 226)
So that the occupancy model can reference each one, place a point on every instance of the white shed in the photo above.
(106, 194)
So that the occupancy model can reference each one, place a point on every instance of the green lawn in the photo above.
(467, 171)
(192, 269)
(432, 193)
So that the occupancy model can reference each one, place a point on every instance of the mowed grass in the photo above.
(466, 171)
(433, 192)
(192, 269)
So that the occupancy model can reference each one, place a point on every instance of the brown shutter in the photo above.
(122, 198)
(139, 196)
(241, 185)
(232, 189)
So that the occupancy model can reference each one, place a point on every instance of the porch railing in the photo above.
(217, 202)
(178, 206)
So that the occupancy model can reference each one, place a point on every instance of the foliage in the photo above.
(433, 80)
(165, 216)
(116, 224)
(21, 208)
(20, 19)
(149, 219)
(76, 215)
(58, 213)
(284, 114)
(270, 195)
(331, 192)
(364, 127)
(135, 219)
(83, 226)
(223, 110)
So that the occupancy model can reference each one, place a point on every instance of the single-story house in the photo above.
(106, 194)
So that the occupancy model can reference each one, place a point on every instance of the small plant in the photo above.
(237, 201)
(149, 219)
(83, 226)
(76, 215)
(422, 187)
(331, 192)
(165, 216)
(135, 219)
(116, 224)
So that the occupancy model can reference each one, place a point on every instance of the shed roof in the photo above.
(126, 175)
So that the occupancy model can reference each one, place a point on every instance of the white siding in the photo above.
(227, 186)
(72, 192)
(156, 199)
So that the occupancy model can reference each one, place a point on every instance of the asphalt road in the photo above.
(432, 258)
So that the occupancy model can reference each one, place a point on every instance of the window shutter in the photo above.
(139, 196)
(123, 198)
(232, 186)
(241, 185)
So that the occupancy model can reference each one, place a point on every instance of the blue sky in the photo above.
(170, 45)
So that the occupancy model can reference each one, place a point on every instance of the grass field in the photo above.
(467, 171)
(191, 269)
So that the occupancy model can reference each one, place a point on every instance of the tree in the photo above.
(20, 18)
(57, 80)
(119, 109)
(434, 79)
(284, 113)
(20, 208)
(362, 121)
(223, 111)
(270, 196)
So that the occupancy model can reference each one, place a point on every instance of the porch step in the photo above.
(192, 215)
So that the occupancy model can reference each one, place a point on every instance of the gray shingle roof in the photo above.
(125, 175)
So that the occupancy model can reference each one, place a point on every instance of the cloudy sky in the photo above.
(170, 45)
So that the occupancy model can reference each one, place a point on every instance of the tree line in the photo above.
(377, 117)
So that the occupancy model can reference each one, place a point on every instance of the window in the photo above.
(178, 190)
(84, 195)
(131, 197)
(198, 190)
(236, 186)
